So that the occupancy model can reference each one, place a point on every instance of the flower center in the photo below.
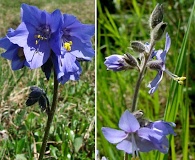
(66, 42)
(43, 33)
(67, 45)
(21, 54)
(135, 155)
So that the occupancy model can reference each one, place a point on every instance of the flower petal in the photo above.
(163, 127)
(128, 122)
(125, 145)
(147, 133)
(144, 145)
(19, 36)
(167, 43)
(154, 84)
(113, 135)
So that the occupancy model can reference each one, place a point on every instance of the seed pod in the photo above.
(157, 16)
(158, 31)
(138, 46)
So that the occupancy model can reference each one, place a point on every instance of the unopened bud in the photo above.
(138, 114)
(129, 59)
(155, 64)
(158, 31)
(138, 46)
(157, 16)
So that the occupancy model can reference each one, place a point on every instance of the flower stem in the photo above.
(140, 78)
(50, 117)
(126, 156)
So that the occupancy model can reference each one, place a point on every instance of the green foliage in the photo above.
(171, 102)
(72, 134)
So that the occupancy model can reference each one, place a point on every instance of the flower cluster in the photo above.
(149, 57)
(133, 137)
(137, 133)
(49, 40)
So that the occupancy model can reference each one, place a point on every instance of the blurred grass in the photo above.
(72, 135)
(116, 28)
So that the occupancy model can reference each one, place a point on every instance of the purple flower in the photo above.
(115, 62)
(66, 67)
(121, 62)
(75, 44)
(13, 52)
(162, 128)
(159, 65)
(131, 138)
(76, 37)
(49, 40)
(38, 34)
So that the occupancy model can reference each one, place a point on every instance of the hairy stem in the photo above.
(50, 117)
(140, 78)
(138, 84)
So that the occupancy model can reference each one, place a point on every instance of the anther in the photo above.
(67, 45)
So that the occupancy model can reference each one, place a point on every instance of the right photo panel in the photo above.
(145, 80)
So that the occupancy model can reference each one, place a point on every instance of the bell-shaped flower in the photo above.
(76, 38)
(13, 52)
(38, 34)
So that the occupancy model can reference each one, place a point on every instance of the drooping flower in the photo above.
(38, 34)
(38, 95)
(131, 138)
(121, 62)
(13, 52)
(159, 65)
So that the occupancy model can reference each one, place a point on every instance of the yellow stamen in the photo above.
(180, 82)
(182, 78)
(67, 45)
(135, 158)
(39, 37)
(36, 42)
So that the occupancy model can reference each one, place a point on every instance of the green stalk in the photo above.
(138, 84)
(50, 117)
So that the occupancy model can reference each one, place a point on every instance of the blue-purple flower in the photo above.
(162, 128)
(133, 138)
(13, 52)
(49, 40)
(121, 62)
(75, 44)
(38, 34)
(159, 65)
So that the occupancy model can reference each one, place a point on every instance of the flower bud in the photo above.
(138, 46)
(155, 64)
(138, 114)
(158, 31)
(157, 16)
(129, 59)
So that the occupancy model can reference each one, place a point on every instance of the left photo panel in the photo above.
(47, 80)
